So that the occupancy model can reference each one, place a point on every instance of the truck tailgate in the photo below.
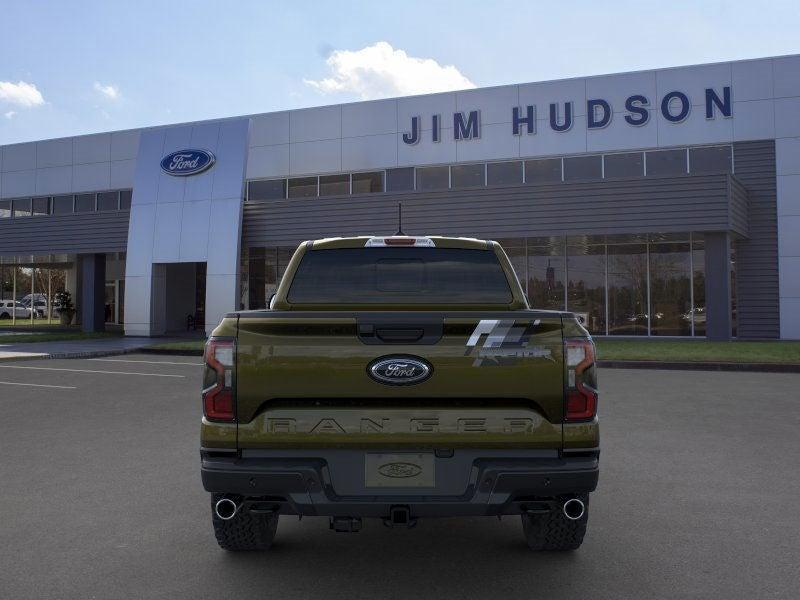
(496, 380)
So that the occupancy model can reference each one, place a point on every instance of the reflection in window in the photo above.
(699, 284)
(580, 168)
(107, 201)
(710, 159)
(400, 180)
(303, 187)
(586, 280)
(666, 162)
(547, 170)
(22, 207)
(504, 173)
(627, 289)
(546, 268)
(629, 164)
(468, 175)
(41, 206)
(5, 209)
(670, 294)
(269, 189)
(84, 203)
(334, 185)
(433, 178)
(62, 205)
(125, 199)
(368, 183)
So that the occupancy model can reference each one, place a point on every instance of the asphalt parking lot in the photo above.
(100, 497)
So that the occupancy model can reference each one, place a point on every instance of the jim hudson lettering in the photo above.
(673, 107)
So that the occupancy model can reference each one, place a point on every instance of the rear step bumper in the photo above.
(468, 482)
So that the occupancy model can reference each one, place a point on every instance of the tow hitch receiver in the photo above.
(400, 516)
(345, 524)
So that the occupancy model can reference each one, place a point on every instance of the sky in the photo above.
(85, 66)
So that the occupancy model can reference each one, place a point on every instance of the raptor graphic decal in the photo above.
(506, 341)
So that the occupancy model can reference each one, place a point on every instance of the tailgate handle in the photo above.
(399, 335)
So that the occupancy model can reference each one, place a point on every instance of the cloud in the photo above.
(20, 93)
(10, 114)
(380, 71)
(109, 91)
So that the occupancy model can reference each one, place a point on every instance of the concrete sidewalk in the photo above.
(78, 348)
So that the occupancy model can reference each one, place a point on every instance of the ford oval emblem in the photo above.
(399, 370)
(187, 162)
(399, 470)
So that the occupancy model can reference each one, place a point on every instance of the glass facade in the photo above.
(626, 285)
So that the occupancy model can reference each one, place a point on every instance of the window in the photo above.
(41, 206)
(546, 273)
(627, 289)
(400, 276)
(666, 162)
(271, 189)
(433, 178)
(125, 199)
(84, 203)
(303, 187)
(670, 293)
(714, 159)
(578, 168)
(62, 205)
(22, 207)
(400, 180)
(586, 283)
(368, 183)
(5, 209)
(699, 284)
(334, 185)
(630, 164)
(468, 175)
(543, 171)
(108, 201)
(504, 173)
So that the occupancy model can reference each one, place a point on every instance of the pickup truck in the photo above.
(399, 378)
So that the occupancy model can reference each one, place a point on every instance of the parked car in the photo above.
(11, 308)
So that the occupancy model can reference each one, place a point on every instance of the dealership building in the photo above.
(652, 203)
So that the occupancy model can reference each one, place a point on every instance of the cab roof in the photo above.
(437, 241)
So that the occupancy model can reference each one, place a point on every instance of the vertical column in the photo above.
(93, 282)
(718, 286)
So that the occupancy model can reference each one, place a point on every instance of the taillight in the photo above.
(218, 400)
(581, 381)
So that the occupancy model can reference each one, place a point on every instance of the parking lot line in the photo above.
(61, 387)
(148, 362)
(91, 371)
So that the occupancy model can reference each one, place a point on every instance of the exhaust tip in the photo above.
(574, 509)
(225, 509)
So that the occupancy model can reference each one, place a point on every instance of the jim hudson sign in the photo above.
(674, 106)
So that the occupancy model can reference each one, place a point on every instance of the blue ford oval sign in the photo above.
(187, 162)
(399, 370)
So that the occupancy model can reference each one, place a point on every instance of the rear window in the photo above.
(399, 276)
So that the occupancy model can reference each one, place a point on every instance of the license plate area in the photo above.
(400, 470)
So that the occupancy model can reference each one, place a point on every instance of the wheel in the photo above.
(554, 531)
(245, 531)
(5, 315)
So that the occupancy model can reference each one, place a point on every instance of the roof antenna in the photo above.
(399, 219)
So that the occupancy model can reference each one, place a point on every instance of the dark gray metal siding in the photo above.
(758, 310)
(641, 205)
(57, 234)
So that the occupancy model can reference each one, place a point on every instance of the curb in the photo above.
(170, 352)
(700, 366)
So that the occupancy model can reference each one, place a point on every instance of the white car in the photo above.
(10, 308)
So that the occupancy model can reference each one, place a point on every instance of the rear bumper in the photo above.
(468, 482)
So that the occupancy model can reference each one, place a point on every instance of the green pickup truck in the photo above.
(399, 378)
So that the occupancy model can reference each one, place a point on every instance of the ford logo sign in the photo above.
(399, 370)
(187, 162)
